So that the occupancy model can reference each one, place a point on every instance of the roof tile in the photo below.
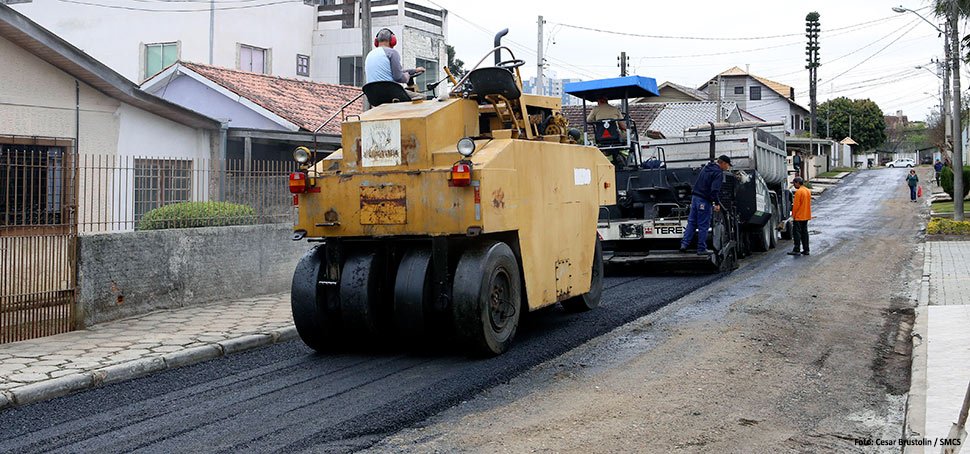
(303, 103)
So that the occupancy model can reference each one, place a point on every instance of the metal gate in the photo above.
(38, 237)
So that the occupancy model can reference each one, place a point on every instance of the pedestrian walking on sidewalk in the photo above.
(704, 201)
(801, 213)
(913, 181)
(938, 167)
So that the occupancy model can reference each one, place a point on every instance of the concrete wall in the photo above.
(126, 274)
(117, 37)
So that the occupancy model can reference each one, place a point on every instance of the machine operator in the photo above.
(384, 63)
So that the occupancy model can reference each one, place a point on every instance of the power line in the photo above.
(706, 38)
(831, 79)
(194, 10)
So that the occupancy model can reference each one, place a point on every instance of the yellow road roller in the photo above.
(448, 218)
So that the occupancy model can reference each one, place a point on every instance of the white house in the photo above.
(61, 108)
(764, 98)
(139, 39)
(287, 39)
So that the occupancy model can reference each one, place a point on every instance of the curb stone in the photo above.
(191, 356)
(57, 387)
(915, 418)
(5, 400)
(131, 369)
(245, 343)
(48, 389)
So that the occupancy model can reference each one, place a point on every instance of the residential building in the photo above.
(553, 86)
(265, 117)
(337, 56)
(141, 39)
(316, 40)
(671, 92)
(764, 98)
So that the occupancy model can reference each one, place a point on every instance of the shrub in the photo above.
(946, 180)
(197, 214)
(943, 226)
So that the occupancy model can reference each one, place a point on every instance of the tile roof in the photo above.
(642, 114)
(700, 95)
(303, 103)
(678, 116)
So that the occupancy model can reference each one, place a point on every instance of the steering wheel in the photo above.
(510, 64)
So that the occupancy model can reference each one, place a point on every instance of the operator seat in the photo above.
(607, 133)
(384, 91)
(491, 81)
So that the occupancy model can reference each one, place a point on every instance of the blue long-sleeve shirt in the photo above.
(708, 184)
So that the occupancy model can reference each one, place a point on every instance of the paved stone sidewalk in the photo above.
(44, 368)
(941, 360)
(948, 265)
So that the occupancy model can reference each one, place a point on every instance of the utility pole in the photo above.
(366, 41)
(945, 108)
(811, 49)
(623, 62)
(719, 114)
(366, 35)
(212, 28)
(957, 124)
(540, 82)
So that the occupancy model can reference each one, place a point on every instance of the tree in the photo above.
(868, 125)
(455, 65)
(941, 8)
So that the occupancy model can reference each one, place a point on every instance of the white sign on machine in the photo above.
(380, 143)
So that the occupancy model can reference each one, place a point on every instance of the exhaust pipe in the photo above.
(498, 42)
(712, 141)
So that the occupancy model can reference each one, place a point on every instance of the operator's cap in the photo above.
(725, 159)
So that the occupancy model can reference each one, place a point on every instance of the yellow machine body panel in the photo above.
(392, 179)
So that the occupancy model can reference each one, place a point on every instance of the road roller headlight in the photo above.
(466, 147)
(301, 155)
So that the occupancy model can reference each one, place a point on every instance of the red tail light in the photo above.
(298, 182)
(461, 174)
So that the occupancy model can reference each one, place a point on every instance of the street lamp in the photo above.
(951, 41)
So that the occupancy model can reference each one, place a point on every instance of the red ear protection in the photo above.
(393, 37)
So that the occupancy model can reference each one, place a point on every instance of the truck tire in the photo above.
(774, 236)
(761, 238)
(362, 296)
(315, 306)
(487, 298)
(591, 299)
(412, 294)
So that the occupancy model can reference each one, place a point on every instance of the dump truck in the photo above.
(448, 218)
(649, 219)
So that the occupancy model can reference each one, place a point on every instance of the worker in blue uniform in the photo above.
(704, 201)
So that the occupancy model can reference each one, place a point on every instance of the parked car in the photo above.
(902, 162)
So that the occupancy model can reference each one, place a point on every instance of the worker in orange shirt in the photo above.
(801, 213)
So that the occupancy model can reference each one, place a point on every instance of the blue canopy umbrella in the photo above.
(615, 88)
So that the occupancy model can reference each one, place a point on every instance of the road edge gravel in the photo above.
(128, 370)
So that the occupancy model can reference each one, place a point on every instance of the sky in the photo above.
(867, 50)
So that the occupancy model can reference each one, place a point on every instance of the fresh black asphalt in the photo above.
(285, 397)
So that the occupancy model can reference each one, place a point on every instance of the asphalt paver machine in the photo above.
(653, 196)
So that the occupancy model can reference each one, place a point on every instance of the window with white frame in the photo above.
(160, 182)
(430, 74)
(253, 59)
(302, 65)
(159, 56)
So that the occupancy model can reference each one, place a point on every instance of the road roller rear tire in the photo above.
(362, 291)
(315, 306)
(591, 299)
(413, 294)
(487, 298)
